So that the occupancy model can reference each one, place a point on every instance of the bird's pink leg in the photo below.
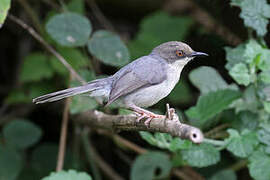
(145, 114)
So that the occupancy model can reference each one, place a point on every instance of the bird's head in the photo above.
(176, 51)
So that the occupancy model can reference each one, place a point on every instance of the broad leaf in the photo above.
(240, 74)
(224, 175)
(234, 55)
(21, 133)
(146, 165)
(161, 140)
(207, 79)
(265, 77)
(109, 48)
(69, 29)
(255, 14)
(259, 165)
(66, 175)
(4, 7)
(165, 141)
(156, 29)
(179, 144)
(211, 104)
(82, 103)
(249, 101)
(201, 155)
(73, 56)
(10, 163)
(242, 145)
(245, 120)
(35, 67)
(264, 134)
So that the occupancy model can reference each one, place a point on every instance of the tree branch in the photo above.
(47, 46)
(128, 123)
(63, 136)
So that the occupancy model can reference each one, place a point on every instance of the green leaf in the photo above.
(252, 50)
(255, 14)
(4, 7)
(201, 155)
(264, 134)
(35, 67)
(259, 165)
(207, 79)
(73, 56)
(109, 48)
(76, 6)
(266, 106)
(224, 175)
(246, 120)
(21, 133)
(82, 103)
(234, 55)
(179, 144)
(146, 165)
(211, 104)
(69, 29)
(242, 145)
(240, 74)
(249, 101)
(265, 77)
(10, 163)
(161, 140)
(157, 28)
(16, 97)
(66, 175)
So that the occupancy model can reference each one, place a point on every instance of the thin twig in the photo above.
(216, 129)
(206, 20)
(128, 144)
(99, 15)
(33, 15)
(239, 165)
(99, 160)
(90, 154)
(47, 46)
(63, 137)
(140, 150)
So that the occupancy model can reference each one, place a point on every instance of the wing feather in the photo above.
(144, 72)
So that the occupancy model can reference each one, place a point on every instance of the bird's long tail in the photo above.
(95, 85)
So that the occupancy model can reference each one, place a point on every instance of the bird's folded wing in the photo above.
(141, 74)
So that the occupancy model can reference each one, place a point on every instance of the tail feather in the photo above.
(65, 93)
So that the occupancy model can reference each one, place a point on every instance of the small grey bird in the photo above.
(141, 83)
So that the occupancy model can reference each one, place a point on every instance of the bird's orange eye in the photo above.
(179, 53)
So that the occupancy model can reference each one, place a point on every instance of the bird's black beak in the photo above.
(195, 54)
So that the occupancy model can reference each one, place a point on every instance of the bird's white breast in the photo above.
(149, 96)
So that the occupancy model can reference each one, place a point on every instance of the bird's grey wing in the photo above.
(143, 72)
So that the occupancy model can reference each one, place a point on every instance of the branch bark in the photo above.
(128, 123)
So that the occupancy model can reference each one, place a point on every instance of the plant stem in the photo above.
(214, 142)
(239, 165)
(89, 153)
(47, 46)
(63, 137)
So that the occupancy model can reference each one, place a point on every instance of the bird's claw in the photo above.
(148, 116)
